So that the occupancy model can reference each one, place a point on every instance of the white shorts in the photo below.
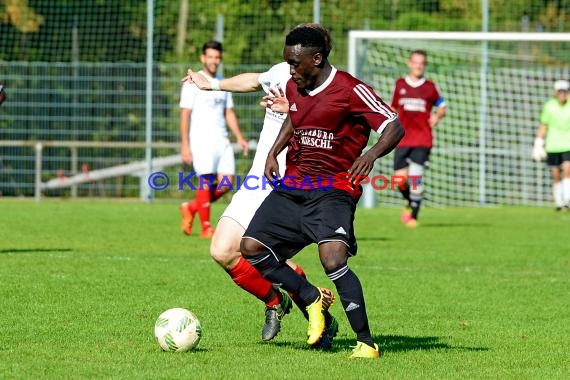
(212, 157)
(245, 202)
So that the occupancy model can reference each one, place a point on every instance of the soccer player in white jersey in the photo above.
(204, 140)
(235, 219)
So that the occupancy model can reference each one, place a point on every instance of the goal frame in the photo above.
(484, 37)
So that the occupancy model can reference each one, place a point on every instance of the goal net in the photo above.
(494, 85)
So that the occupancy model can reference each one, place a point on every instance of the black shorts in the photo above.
(554, 160)
(403, 156)
(289, 220)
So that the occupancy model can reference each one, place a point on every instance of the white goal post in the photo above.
(494, 85)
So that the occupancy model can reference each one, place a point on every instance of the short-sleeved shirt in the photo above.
(413, 102)
(208, 118)
(276, 77)
(332, 124)
(556, 117)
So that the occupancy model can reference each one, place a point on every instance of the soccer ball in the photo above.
(177, 330)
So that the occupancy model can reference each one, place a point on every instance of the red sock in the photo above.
(192, 206)
(249, 279)
(203, 207)
(216, 194)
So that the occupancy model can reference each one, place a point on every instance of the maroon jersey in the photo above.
(331, 125)
(414, 101)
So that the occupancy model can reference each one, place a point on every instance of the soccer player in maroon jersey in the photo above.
(414, 98)
(235, 219)
(331, 114)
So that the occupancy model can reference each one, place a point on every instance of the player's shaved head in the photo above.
(324, 31)
(307, 37)
(306, 50)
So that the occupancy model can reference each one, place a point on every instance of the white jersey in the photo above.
(246, 201)
(208, 118)
(276, 77)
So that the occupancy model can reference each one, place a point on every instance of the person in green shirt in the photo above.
(553, 143)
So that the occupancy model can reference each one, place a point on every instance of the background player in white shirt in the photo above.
(235, 219)
(204, 140)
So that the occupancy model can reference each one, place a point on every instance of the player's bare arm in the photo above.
(436, 117)
(391, 136)
(541, 132)
(271, 165)
(233, 125)
(275, 101)
(185, 151)
(247, 82)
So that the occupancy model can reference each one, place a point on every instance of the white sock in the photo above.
(566, 191)
(557, 194)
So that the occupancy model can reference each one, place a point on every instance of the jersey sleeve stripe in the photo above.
(383, 126)
(367, 97)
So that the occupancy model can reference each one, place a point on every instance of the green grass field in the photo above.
(472, 293)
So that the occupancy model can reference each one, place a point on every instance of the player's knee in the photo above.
(223, 253)
(334, 262)
(333, 257)
(250, 247)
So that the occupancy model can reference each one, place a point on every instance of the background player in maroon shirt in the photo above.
(414, 98)
(330, 118)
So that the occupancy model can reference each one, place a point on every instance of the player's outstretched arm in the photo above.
(247, 82)
(391, 136)
(271, 165)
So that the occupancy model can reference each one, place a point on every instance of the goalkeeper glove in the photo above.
(538, 152)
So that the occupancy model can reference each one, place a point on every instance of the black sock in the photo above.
(328, 317)
(301, 305)
(405, 190)
(281, 273)
(416, 201)
(352, 299)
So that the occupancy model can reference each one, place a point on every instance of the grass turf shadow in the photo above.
(440, 225)
(372, 238)
(33, 250)
(388, 343)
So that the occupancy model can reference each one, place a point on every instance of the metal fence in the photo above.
(77, 81)
(90, 116)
